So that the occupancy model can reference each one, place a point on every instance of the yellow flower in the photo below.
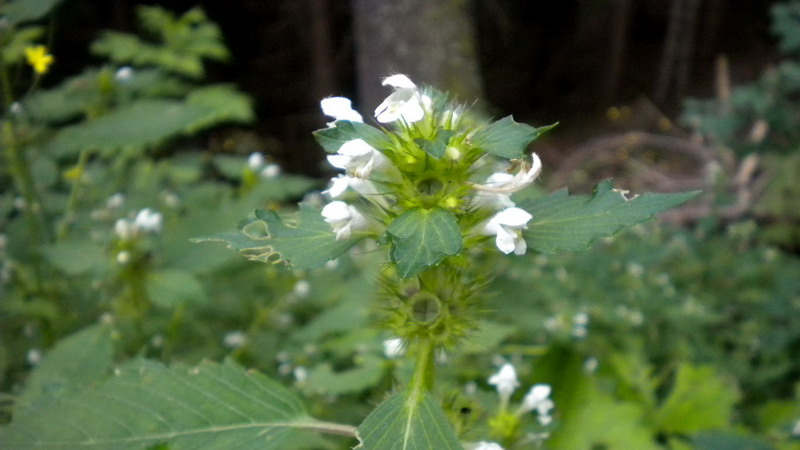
(38, 58)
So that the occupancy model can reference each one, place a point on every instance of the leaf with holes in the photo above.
(344, 130)
(147, 404)
(397, 425)
(422, 238)
(571, 222)
(508, 138)
(304, 240)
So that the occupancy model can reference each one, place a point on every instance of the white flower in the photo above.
(300, 374)
(124, 229)
(234, 339)
(115, 201)
(393, 348)
(484, 445)
(538, 398)
(123, 257)
(34, 356)
(507, 225)
(270, 171)
(505, 183)
(148, 220)
(124, 74)
(16, 108)
(301, 289)
(505, 381)
(340, 108)
(343, 218)
(358, 158)
(405, 101)
(255, 161)
(340, 184)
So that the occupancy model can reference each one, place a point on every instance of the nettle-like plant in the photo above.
(432, 188)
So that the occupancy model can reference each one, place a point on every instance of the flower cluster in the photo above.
(146, 221)
(537, 398)
(427, 162)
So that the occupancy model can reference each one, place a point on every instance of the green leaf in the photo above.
(699, 401)
(324, 380)
(564, 222)
(14, 49)
(76, 257)
(394, 425)
(170, 288)
(344, 130)
(147, 404)
(507, 138)
(438, 145)
(422, 238)
(76, 361)
(146, 123)
(304, 240)
(18, 11)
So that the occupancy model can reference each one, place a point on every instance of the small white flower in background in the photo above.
(157, 341)
(590, 365)
(405, 101)
(332, 264)
(148, 220)
(301, 289)
(340, 108)
(234, 339)
(796, 428)
(255, 161)
(115, 201)
(300, 374)
(124, 229)
(505, 183)
(124, 73)
(484, 445)
(343, 218)
(358, 158)
(505, 381)
(393, 348)
(538, 398)
(172, 200)
(123, 257)
(270, 171)
(34, 356)
(507, 225)
(16, 108)
(20, 203)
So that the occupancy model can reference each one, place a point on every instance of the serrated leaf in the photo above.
(396, 426)
(437, 146)
(145, 404)
(304, 240)
(19, 11)
(507, 138)
(76, 361)
(344, 130)
(564, 222)
(422, 238)
(698, 401)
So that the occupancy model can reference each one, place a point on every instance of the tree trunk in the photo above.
(431, 41)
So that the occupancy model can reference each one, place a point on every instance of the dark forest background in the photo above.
(563, 61)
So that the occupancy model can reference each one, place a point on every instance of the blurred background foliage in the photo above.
(683, 334)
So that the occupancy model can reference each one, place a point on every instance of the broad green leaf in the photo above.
(438, 145)
(324, 380)
(507, 138)
(396, 426)
(344, 130)
(76, 361)
(170, 288)
(700, 400)
(730, 440)
(422, 238)
(147, 404)
(18, 11)
(564, 222)
(76, 257)
(146, 123)
(14, 49)
(304, 240)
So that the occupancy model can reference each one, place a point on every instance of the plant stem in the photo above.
(424, 370)
(69, 211)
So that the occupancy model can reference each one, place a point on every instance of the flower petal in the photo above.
(399, 81)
